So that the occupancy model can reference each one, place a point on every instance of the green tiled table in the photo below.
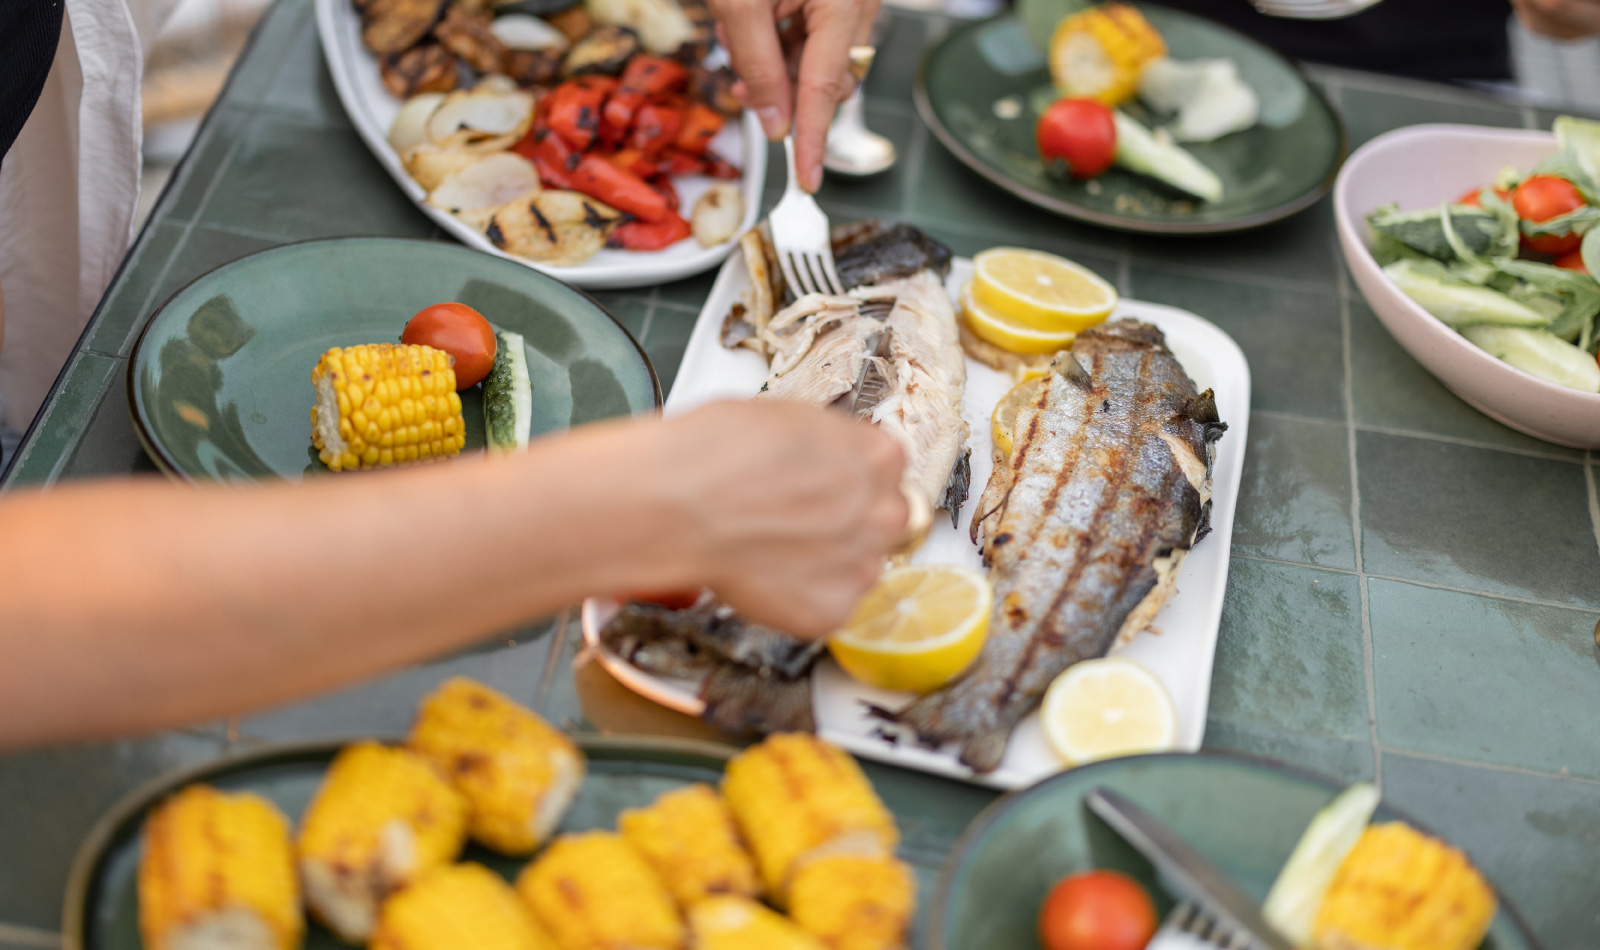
(1414, 587)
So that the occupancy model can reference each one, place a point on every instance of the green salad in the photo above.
(1509, 266)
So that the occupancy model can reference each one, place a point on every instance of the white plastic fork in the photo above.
(800, 238)
(1312, 9)
(1189, 927)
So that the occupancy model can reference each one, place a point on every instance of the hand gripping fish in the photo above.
(1107, 488)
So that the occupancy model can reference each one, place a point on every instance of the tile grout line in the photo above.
(29, 936)
(1418, 434)
(1489, 766)
(1367, 658)
(1594, 493)
(1430, 585)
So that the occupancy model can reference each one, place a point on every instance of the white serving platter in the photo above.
(1178, 648)
(372, 110)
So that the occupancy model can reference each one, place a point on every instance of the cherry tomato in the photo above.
(460, 331)
(1572, 260)
(1541, 198)
(1097, 910)
(1080, 132)
(1471, 199)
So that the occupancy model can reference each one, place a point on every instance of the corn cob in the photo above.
(1099, 53)
(458, 907)
(382, 816)
(383, 404)
(688, 836)
(217, 873)
(794, 796)
(854, 901)
(1399, 889)
(518, 773)
(738, 923)
(592, 891)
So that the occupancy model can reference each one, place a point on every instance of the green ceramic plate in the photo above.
(220, 380)
(1243, 813)
(102, 904)
(982, 88)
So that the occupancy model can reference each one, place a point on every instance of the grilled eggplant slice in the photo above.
(603, 52)
(532, 67)
(389, 27)
(715, 88)
(539, 8)
(428, 68)
(468, 34)
(575, 22)
(555, 227)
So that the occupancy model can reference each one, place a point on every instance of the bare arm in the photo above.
(169, 604)
(1560, 19)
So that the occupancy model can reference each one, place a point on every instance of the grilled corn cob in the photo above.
(1099, 53)
(738, 923)
(1399, 889)
(383, 404)
(382, 816)
(688, 836)
(592, 891)
(458, 907)
(854, 901)
(795, 796)
(518, 773)
(217, 873)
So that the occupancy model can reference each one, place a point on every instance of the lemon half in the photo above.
(919, 628)
(1004, 417)
(1040, 290)
(1006, 333)
(1102, 708)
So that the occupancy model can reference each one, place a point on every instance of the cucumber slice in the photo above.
(1543, 354)
(508, 396)
(1460, 304)
(1292, 904)
(1164, 160)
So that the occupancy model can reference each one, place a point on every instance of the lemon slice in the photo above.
(1004, 418)
(1102, 708)
(918, 629)
(1008, 334)
(1041, 290)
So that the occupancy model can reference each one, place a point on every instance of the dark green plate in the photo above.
(1243, 813)
(1280, 166)
(102, 904)
(220, 380)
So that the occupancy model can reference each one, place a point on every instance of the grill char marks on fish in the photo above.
(757, 679)
(1083, 527)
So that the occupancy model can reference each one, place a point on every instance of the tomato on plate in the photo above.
(1572, 260)
(1097, 910)
(1080, 132)
(1472, 200)
(670, 599)
(460, 331)
(1541, 198)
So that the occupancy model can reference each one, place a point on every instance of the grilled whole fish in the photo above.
(757, 679)
(1083, 528)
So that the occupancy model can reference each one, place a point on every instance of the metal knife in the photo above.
(1187, 869)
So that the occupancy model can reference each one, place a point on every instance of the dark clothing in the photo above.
(29, 33)
(1428, 39)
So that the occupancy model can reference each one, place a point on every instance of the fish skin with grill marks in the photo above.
(1083, 527)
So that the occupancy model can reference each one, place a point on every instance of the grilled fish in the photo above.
(1083, 528)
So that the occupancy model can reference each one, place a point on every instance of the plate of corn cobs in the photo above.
(291, 362)
(485, 826)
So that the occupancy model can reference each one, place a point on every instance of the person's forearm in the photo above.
(128, 606)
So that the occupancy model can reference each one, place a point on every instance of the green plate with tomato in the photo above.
(1243, 813)
(983, 88)
(220, 381)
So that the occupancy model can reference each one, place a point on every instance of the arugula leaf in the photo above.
(1479, 231)
(1576, 221)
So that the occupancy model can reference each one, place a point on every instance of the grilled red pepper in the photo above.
(701, 123)
(648, 236)
(576, 106)
(663, 187)
(625, 191)
(645, 78)
(634, 161)
(717, 167)
(675, 161)
(553, 159)
(655, 127)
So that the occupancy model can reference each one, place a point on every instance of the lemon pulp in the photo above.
(1102, 708)
(1040, 290)
(1008, 334)
(917, 629)
(1004, 418)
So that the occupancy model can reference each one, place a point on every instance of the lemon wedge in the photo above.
(918, 629)
(1102, 708)
(1004, 418)
(1040, 290)
(1008, 334)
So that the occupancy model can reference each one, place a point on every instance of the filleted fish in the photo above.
(1083, 527)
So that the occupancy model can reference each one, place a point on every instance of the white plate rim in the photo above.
(682, 695)
(338, 27)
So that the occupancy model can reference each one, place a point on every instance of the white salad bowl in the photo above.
(1418, 167)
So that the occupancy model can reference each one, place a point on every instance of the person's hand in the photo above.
(799, 77)
(786, 510)
(1560, 19)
